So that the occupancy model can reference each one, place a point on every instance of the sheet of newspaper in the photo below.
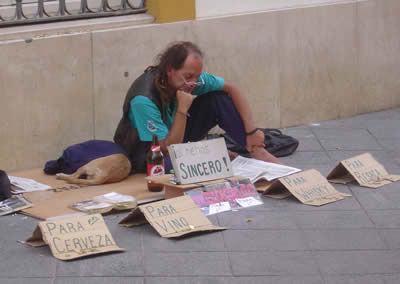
(13, 204)
(22, 185)
(256, 170)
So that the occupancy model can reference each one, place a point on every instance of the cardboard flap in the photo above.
(263, 185)
(276, 190)
(135, 218)
(392, 177)
(175, 217)
(74, 237)
(340, 175)
(36, 240)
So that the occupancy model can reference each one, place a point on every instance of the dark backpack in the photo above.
(277, 143)
(5, 186)
(77, 155)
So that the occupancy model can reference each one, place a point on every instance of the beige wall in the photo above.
(295, 66)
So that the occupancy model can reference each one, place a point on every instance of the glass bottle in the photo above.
(155, 165)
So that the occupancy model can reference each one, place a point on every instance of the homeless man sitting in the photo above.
(179, 102)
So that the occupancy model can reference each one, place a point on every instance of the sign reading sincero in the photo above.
(200, 161)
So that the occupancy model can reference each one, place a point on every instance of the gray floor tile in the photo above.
(346, 139)
(246, 219)
(309, 145)
(358, 262)
(99, 280)
(236, 280)
(391, 238)
(342, 133)
(300, 159)
(386, 197)
(116, 264)
(347, 144)
(185, 264)
(302, 132)
(390, 144)
(26, 280)
(392, 279)
(345, 123)
(264, 240)
(273, 263)
(355, 279)
(333, 219)
(389, 128)
(388, 219)
(210, 241)
(348, 239)
(20, 260)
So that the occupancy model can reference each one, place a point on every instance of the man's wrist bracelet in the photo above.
(183, 113)
(251, 132)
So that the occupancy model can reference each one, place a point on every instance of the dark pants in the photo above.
(209, 110)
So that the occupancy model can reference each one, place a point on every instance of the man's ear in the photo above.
(170, 69)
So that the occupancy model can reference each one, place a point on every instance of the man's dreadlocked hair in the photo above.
(173, 56)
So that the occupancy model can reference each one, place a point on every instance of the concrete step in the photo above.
(58, 28)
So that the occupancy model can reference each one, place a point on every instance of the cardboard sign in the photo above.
(309, 187)
(200, 161)
(364, 169)
(171, 218)
(74, 237)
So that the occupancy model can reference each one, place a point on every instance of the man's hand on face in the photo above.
(188, 87)
(185, 100)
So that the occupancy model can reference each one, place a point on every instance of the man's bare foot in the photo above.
(259, 153)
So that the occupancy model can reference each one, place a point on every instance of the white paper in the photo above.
(256, 169)
(248, 201)
(219, 207)
(27, 185)
(114, 197)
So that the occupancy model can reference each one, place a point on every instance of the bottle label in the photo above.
(155, 170)
(156, 148)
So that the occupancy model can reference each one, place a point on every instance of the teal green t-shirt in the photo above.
(145, 116)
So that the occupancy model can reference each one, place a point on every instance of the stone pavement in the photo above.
(356, 240)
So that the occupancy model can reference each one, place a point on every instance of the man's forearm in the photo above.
(177, 131)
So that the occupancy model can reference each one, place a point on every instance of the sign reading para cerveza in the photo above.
(74, 237)
(364, 169)
(200, 161)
